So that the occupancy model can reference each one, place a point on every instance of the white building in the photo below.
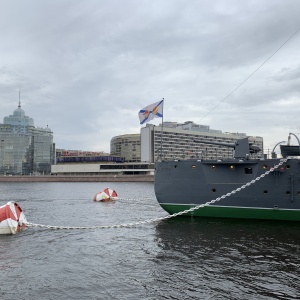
(127, 146)
(181, 141)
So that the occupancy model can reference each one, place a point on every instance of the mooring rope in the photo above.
(134, 224)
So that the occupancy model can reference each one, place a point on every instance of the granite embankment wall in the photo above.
(79, 178)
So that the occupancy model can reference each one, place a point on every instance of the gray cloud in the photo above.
(86, 68)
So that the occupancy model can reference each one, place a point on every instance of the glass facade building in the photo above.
(25, 149)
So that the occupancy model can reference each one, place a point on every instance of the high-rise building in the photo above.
(24, 148)
(183, 141)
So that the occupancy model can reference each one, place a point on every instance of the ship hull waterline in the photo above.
(214, 211)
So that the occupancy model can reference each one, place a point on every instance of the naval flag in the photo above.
(151, 111)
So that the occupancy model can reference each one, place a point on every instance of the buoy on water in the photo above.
(106, 195)
(12, 218)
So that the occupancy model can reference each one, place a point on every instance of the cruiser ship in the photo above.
(184, 184)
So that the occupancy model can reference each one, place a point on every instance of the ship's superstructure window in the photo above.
(248, 170)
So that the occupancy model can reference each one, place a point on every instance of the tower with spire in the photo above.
(24, 148)
(18, 120)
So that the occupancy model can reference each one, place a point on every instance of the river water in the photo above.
(180, 258)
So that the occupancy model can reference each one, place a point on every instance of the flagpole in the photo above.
(162, 129)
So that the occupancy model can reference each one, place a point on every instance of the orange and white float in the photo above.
(12, 218)
(106, 195)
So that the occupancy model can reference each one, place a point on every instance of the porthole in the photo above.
(175, 166)
(264, 166)
(288, 192)
(213, 167)
(265, 192)
(298, 193)
(213, 190)
(288, 166)
(248, 170)
(232, 167)
(193, 166)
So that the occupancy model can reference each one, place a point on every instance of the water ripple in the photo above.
(182, 258)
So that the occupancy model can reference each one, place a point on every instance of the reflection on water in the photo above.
(180, 258)
(229, 258)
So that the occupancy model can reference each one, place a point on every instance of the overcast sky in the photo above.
(85, 68)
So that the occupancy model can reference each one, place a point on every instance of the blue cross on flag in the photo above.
(151, 111)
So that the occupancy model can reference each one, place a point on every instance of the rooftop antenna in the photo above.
(19, 106)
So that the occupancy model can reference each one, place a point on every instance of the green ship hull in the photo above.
(235, 212)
